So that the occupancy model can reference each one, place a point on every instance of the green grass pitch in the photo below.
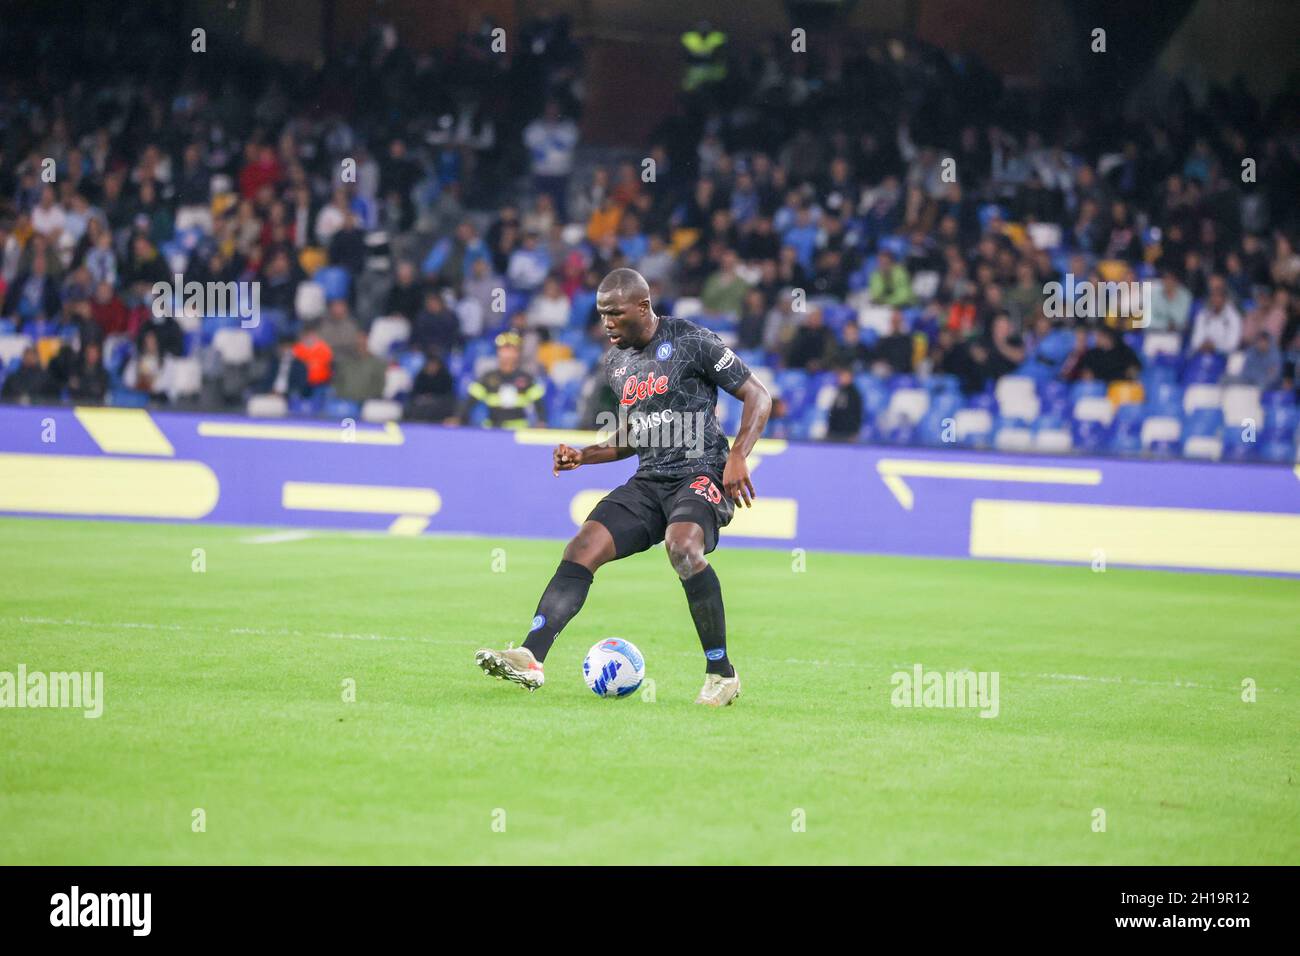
(1119, 691)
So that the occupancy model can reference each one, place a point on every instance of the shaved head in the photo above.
(627, 284)
(623, 304)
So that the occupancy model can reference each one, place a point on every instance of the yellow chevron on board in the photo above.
(124, 431)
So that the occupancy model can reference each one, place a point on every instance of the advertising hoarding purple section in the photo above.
(412, 479)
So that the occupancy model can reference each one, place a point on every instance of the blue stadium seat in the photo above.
(335, 281)
(1280, 419)
(128, 398)
(1202, 369)
(1088, 389)
(1277, 450)
(1201, 422)
(580, 307)
(1090, 435)
(1234, 449)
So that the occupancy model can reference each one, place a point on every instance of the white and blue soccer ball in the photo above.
(613, 667)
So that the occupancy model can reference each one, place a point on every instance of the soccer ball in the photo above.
(613, 667)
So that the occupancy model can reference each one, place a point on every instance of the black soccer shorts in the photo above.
(638, 512)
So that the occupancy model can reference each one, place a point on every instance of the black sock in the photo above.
(704, 594)
(561, 600)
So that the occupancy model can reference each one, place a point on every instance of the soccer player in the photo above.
(666, 373)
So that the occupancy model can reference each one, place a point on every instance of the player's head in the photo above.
(623, 302)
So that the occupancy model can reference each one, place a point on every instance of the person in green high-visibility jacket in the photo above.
(706, 62)
(507, 390)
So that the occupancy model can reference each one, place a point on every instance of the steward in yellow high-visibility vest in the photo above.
(507, 390)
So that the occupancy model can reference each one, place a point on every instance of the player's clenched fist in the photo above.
(566, 459)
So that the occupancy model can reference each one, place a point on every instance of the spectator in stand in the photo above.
(844, 420)
(29, 383)
(1263, 365)
(338, 328)
(433, 395)
(811, 345)
(550, 307)
(358, 375)
(890, 284)
(724, 292)
(316, 355)
(1218, 325)
(1171, 305)
(435, 327)
(1110, 360)
(894, 352)
(1270, 316)
(528, 265)
(404, 298)
(286, 374)
(88, 382)
(551, 141)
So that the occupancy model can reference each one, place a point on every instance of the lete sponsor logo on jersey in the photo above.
(637, 389)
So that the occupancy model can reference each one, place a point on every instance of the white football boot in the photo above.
(515, 664)
(719, 691)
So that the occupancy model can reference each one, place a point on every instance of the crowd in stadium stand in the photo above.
(875, 235)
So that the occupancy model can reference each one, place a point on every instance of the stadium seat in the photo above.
(128, 398)
(1161, 343)
(1053, 440)
(397, 382)
(1202, 396)
(339, 408)
(1092, 388)
(1090, 434)
(183, 377)
(1160, 429)
(1277, 450)
(12, 348)
(1017, 397)
(266, 406)
(1207, 447)
(235, 346)
(1013, 436)
(1235, 448)
(908, 404)
(1125, 393)
(1094, 408)
(1281, 420)
(1203, 421)
(334, 281)
(309, 301)
(687, 306)
(1202, 369)
(381, 410)
(1236, 362)
(974, 427)
(567, 370)
(387, 332)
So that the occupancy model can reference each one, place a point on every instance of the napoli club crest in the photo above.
(664, 351)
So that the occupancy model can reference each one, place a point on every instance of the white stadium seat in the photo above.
(1203, 446)
(1160, 428)
(1241, 402)
(1202, 396)
(309, 301)
(397, 381)
(1161, 343)
(235, 346)
(908, 403)
(266, 406)
(1013, 438)
(1094, 408)
(13, 347)
(567, 370)
(182, 377)
(381, 410)
(385, 331)
(972, 421)
(687, 306)
(1053, 440)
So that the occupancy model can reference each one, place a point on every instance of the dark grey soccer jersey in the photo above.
(667, 393)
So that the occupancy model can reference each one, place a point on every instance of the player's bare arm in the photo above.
(614, 448)
(736, 483)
